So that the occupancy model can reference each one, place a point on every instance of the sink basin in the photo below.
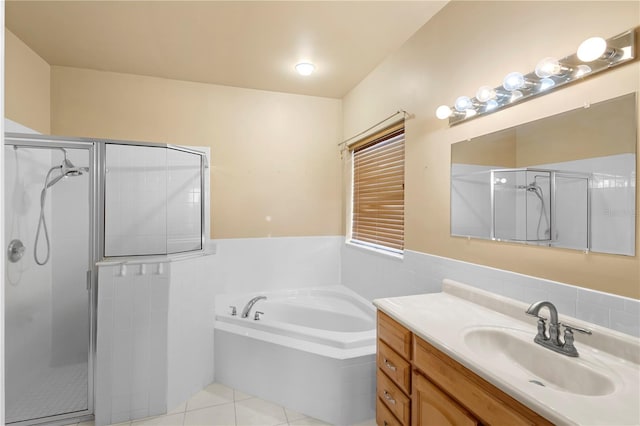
(514, 351)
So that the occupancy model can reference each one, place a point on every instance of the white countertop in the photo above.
(443, 319)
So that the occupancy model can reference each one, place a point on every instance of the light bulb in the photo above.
(485, 93)
(546, 83)
(513, 81)
(470, 113)
(491, 105)
(592, 49)
(547, 67)
(582, 70)
(443, 112)
(463, 103)
(305, 68)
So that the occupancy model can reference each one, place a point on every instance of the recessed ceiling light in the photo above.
(305, 68)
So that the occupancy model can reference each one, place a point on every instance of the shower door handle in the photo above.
(88, 280)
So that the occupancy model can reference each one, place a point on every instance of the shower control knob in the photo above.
(15, 251)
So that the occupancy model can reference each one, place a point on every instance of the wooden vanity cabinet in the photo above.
(418, 385)
(433, 407)
(393, 378)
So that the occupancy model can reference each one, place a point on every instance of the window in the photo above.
(378, 190)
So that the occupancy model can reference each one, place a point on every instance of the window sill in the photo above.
(374, 250)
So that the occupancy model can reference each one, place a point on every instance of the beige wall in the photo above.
(495, 149)
(26, 86)
(579, 134)
(275, 164)
(607, 128)
(469, 44)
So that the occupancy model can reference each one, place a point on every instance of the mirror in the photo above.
(563, 181)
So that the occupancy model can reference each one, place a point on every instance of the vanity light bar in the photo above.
(594, 55)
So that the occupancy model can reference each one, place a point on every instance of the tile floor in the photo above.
(220, 405)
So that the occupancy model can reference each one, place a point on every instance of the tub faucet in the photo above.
(249, 305)
(552, 341)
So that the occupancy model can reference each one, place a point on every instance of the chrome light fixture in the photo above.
(594, 55)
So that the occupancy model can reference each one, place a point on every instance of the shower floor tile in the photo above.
(57, 390)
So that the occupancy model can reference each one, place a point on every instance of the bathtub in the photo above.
(312, 351)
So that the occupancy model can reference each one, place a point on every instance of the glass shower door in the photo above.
(48, 229)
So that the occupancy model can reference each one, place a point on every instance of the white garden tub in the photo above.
(312, 350)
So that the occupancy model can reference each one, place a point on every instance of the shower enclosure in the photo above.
(69, 204)
(541, 206)
(50, 253)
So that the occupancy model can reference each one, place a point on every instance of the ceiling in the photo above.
(253, 44)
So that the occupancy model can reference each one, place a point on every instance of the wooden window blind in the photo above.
(378, 189)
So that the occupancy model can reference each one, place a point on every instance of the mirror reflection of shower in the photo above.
(536, 189)
(55, 174)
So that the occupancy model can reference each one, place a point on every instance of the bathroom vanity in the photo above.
(467, 357)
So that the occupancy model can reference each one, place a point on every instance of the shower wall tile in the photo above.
(361, 270)
(131, 341)
(184, 201)
(135, 192)
(190, 328)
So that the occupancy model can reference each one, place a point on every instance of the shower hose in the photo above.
(42, 223)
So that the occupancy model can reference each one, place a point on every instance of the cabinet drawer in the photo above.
(394, 366)
(394, 335)
(487, 402)
(384, 417)
(395, 400)
(432, 407)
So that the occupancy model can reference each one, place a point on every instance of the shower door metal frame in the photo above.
(101, 149)
(51, 142)
(553, 174)
(552, 196)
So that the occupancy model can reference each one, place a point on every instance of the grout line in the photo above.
(235, 409)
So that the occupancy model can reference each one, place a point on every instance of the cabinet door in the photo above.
(432, 407)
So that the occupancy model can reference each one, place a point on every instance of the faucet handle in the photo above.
(542, 329)
(234, 311)
(568, 348)
(573, 328)
(256, 317)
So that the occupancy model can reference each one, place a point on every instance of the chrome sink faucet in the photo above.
(552, 340)
(249, 305)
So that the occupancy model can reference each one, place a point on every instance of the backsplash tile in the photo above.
(244, 265)
(632, 307)
(594, 313)
(625, 322)
(601, 299)
(375, 276)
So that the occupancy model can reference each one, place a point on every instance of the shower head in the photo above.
(67, 168)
